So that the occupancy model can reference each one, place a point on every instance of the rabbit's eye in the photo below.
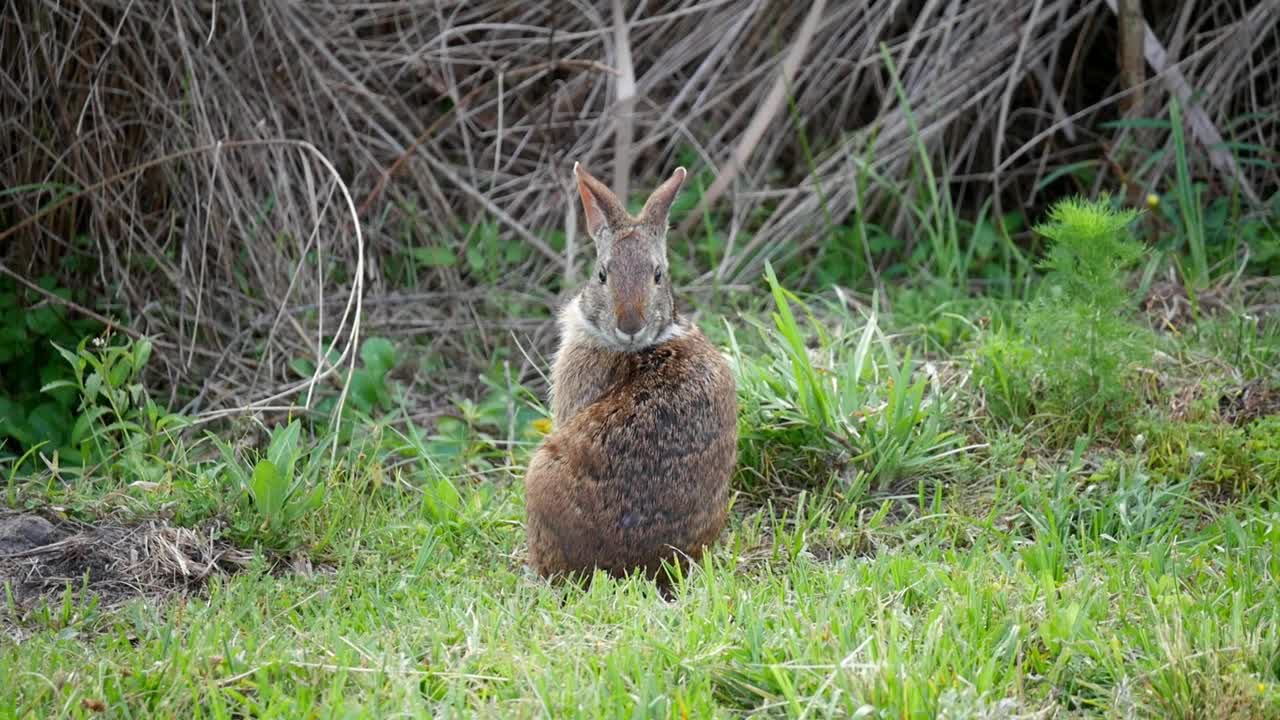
(602, 275)
(657, 275)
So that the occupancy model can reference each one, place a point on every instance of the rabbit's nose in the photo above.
(630, 322)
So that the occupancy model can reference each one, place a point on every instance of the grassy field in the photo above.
(963, 507)
(277, 296)
(1075, 601)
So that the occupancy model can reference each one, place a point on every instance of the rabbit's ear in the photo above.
(598, 202)
(658, 205)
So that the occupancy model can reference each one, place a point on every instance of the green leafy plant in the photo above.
(479, 436)
(277, 492)
(106, 423)
(36, 408)
(370, 391)
(118, 420)
(484, 435)
(488, 255)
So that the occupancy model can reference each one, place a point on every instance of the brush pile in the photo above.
(205, 166)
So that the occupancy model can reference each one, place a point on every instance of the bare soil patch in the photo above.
(41, 555)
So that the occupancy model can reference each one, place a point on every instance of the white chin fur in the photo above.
(574, 329)
(671, 331)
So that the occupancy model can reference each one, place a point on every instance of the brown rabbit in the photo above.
(637, 468)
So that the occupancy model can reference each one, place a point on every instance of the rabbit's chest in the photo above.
(582, 376)
(579, 378)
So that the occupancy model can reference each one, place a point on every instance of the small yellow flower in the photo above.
(542, 425)
(1153, 200)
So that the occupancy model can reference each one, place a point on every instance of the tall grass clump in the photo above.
(832, 407)
(1067, 358)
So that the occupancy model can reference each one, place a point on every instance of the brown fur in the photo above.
(636, 472)
(638, 468)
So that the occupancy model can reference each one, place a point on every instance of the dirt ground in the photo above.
(42, 555)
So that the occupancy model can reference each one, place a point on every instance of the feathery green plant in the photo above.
(1090, 250)
(1067, 355)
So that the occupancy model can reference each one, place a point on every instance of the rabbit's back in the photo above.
(641, 473)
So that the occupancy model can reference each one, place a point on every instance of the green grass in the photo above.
(1062, 598)
(927, 524)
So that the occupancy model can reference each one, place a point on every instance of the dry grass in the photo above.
(42, 559)
(220, 234)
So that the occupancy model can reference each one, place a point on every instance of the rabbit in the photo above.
(644, 433)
